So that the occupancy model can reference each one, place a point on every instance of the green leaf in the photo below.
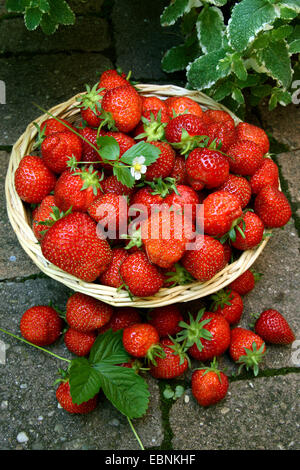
(294, 47)
(61, 12)
(217, 3)
(291, 4)
(261, 91)
(44, 6)
(123, 174)
(248, 18)
(238, 67)
(210, 29)
(204, 71)
(17, 5)
(287, 13)
(178, 57)
(32, 18)
(276, 60)
(109, 148)
(48, 24)
(174, 11)
(149, 151)
(238, 96)
(282, 32)
(223, 90)
(188, 22)
(85, 381)
(108, 348)
(125, 389)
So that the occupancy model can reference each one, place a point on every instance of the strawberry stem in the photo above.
(135, 434)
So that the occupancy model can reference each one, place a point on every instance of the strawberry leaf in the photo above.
(109, 148)
(108, 348)
(123, 174)
(85, 381)
(150, 152)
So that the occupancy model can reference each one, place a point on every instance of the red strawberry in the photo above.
(79, 343)
(152, 103)
(73, 245)
(145, 197)
(181, 130)
(221, 210)
(89, 154)
(238, 186)
(64, 398)
(41, 325)
(206, 336)
(223, 133)
(176, 275)
(122, 318)
(245, 282)
(50, 126)
(90, 104)
(122, 108)
(58, 148)
(208, 166)
(174, 363)
(245, 157)
(252, 229)
(43, 214)
(182, 105)
(125, 141)
(142, 278)
(253, 133)
(179, 171)
(111, 277)
(196, 185)
(111, 79)
(77, 189)
(272, 207)
(110, 211)
(165, 320)
(85, 314)
(266, 175)
(111, 185)
(33, 180)
(229, 304)
(209, 385)
(184, 197)
(216, 116)
(141, 340)
(152, 125)
(164, 164)
(227, 253)
(205, 259)
(246, 348)
(273, 328)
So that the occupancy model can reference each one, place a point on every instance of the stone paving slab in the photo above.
(46, 80)
(283, 123)
(27, 397)
(260, 414)
(13, 260)
(290, 167)
(140, 41)
(88, 34)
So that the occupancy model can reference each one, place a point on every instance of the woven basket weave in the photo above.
(21, 221)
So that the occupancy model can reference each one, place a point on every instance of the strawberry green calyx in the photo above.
(135, 239)
(154, 351)
(252, 358)
(179, 351)
(108, 121)
(90, 178)
(257, 276)
(63, 376)
(154, 129)
(179, 277)
(189, 143)
(91, 99)
(220, 299)
(212, 368)
(193, 331)
(55, 215)
(162, 187)
(40, 137)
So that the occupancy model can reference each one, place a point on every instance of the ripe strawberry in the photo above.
(208, 166)
(209, 385)
(216, 116)
(252, 229)
(152, 125)
(79, 343)
(246, 348)
(196, 185)
(272, 207)
(227, 253)
(154, 104)
(165, 320)
(111, 185)
(111, 277)
(90, 105)
(266, 175)
(245, 282)
(110, 211)
(41, 325)
(176, 275)
(50, 126)
(182, 105)
(182, 130)
(86, 314)
(163, 166)
(145, 197)
(229, 304)
(238, 186)
(122, 318)
(174, 363)
(43, 214)
(184, 197)
(141, 340)
(111, 79)
(73, 245)
(179, 171)
(221, 211)
(64, 398)
(205, 259)
(223, 133)
(273, 328)
(122, 108)
(125, 141)
(89, 154)
(77, 189)
(245, 157)
(253, 133)
(33, 180)
(141, 277)
(206, 336)
(58, 148)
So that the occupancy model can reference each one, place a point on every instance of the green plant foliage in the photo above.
(248, 50)
(48, 14)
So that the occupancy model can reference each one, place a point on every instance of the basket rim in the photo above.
(20, 222)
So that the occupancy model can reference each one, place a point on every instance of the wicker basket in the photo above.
(21, 221)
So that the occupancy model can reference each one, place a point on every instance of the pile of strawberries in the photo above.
(132, 151)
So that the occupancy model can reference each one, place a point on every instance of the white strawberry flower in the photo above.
(138, 168)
